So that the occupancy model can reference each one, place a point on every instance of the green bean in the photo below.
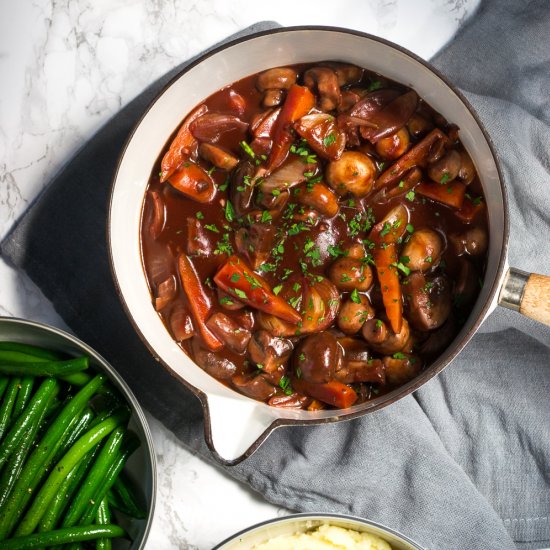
(30, 350)
(45, 368)
(47, 492)
(117, 504)
(103, 517)
(14, 465)
(64, 536)
(63, 497)
(81, 424)
(4, 381)
(95, 478)
(7, 404)
(76, 378)
(130, 444)
(37, 406)
(34, 468)
(23, 396)
(125, 495)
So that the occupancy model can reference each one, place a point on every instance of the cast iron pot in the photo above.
(236, 425)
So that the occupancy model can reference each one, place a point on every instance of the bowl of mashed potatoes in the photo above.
(318, 532)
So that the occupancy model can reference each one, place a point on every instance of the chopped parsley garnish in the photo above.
(212, 227)
(410, 196)
(410, 228)
(399, 355)
(224, 246)
(276, 192)
(240, 293)
(284, 384)
(336, 251)
(266, 217)
(446, 177)
(402, 267)
(268, 267)
(230, 214)
(235, 277)
(379, 323)
(375, 85)
(355, 297)
(247, 149)
(329, 140)
(301, 357)
(200, 215)
(385, 229)
(226, 300)
(212, 170)
(428, 259)
(277, 289)
(401, 184)
(296, 287)
(294, 301)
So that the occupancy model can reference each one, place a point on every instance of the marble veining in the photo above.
(66, 67)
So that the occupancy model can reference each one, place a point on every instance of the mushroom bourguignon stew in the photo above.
(314, 235)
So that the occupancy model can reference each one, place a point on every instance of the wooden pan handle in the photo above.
(527, 293)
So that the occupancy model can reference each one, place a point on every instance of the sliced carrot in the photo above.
(470, 209)
(450, 194)
(237, 279)
(334, 393)
(299, 101)
(193, 181)
(182, 145)
(199, 303)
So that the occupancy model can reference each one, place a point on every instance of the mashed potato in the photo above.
(326, 537)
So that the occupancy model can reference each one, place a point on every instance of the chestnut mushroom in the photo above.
(350, 274)
(255, 386)
(353, 314)
(325, 82)
(352, 173)
(445, 168)
(473, 241)
(419, 125)
(394, 145)
(318, 196)
(467, 170)
(423, 249)
(317, 358)
(241, 189)
(273, 98)
(229, 332)
(381, 337)
(215, 365)
(256, 242)
(269, 351)
(429, 301)
(354, 250)
(400, 370)
(279, 78)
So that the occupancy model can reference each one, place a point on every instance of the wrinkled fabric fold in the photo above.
(464, 462)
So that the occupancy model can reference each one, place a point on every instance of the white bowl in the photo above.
(235, 425)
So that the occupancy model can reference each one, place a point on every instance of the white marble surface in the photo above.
(65, 69)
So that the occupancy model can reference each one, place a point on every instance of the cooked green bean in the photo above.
(129, 445)
(23, 396)
(34, 467)
(64, 536)
(48, 490)
(76, 429)
(116, 503)
(30, 350)
(45, 368)
(95, 478)
(103, 517)
(123, 491)
(13, 467)
(68, 489)
(4, 381)
(8, 402)
(37, 406)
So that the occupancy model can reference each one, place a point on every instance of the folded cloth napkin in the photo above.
(464, 463)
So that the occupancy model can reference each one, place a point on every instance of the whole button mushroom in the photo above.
(352, 173)
(446, 168)
(280, 78)
(350, 274)
(381, 337)
(393, 146)
(354, 312)
(317, 358)
(423, 249)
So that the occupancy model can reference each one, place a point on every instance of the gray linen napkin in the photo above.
(464, 463)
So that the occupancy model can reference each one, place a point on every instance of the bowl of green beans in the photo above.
(77, 465)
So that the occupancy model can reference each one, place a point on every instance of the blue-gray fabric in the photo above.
(461, 464)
